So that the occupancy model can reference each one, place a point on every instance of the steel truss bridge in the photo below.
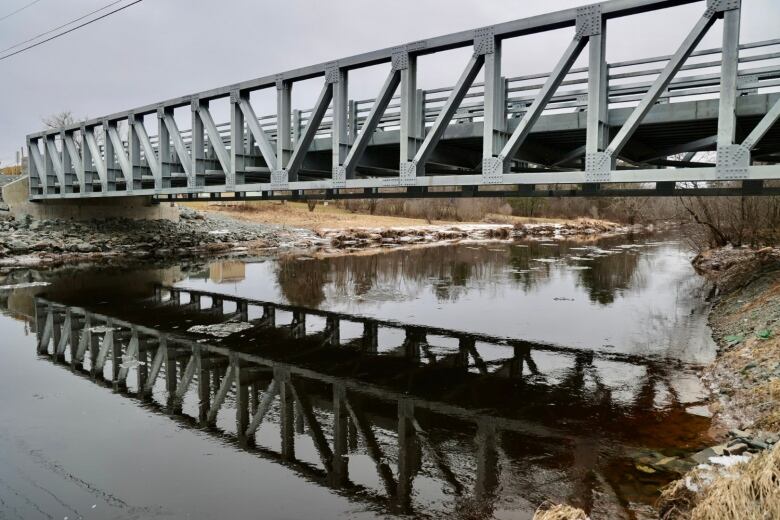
(312, 382)
(627, 128)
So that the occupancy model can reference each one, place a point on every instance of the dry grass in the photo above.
(549, 511)
(745, 491)
(297, 214)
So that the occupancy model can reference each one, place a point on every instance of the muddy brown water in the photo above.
(467, 381)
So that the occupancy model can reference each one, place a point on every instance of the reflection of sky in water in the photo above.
(640, 298)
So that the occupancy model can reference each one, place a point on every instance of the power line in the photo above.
(9, 15)
(63, 33)
(60, 27)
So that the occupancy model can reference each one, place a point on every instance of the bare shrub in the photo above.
(719, 221)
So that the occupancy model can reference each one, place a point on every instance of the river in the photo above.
(474, 380)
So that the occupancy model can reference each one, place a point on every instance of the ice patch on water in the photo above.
(23, 285)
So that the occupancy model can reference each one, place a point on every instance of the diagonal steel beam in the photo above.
(119, 153)
(374, 451)
(75, 158)
(520, 133)
(417, 166)
(151, 158)
(48, 327)
(263, 407)
(132, 353)
(34, 152)
(659, 85)
(178, 144)
(372, 120)
(65, 339)
(84, 339)
(261, 138)
(97, 158)
(224, 388)
(186, 377)
(56, 160)
(157, 362)
(315, 431)
(302, 146)
(763, 126)
(214, 138)
(105, 346)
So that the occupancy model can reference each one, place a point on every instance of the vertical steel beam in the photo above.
(727, 116)
(164, 169)
(238, 150)
(408, 455)
(286, 413)
(733, 159)
(35, 166)
(109, 157)
(338, 473)
(242, 401)
(339, 135)
(597, 129)
(409, 126)
(494, 120)
(69, 161)
(487, 461)
(134, 153)
(283, 121)
(197, 147)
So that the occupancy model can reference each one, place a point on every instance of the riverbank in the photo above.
(216, 233)
(740, 477)
(46, 243)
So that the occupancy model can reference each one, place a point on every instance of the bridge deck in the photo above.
(647, 123)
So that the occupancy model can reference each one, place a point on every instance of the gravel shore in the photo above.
(31, 243)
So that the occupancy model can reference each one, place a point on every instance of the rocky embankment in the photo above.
(25, 242)
(740, 476)
(360, 238)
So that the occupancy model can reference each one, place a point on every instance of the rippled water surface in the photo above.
(473, 380)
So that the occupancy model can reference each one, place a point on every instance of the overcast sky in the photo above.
(160, 49)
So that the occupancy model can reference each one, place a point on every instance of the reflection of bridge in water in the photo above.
(463, 409)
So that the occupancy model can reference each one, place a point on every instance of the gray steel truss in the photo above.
(571, 131)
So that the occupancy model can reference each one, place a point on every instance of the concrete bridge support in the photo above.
(16, 196)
